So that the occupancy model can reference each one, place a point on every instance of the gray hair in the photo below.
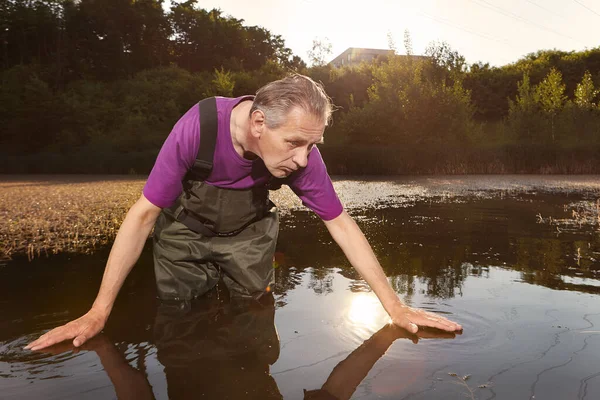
(278, 98)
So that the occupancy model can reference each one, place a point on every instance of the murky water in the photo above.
(525, 290)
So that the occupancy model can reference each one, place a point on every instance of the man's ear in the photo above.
(257, 123)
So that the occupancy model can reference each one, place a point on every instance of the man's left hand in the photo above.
(411, 318)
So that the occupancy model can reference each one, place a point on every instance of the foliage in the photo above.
(223, 83)
(115, 39)
(406, 108)
(319, 52)
(543, 114)
(585, 92)
(103, 81)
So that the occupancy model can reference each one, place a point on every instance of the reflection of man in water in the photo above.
(207, 200)
(217, 351)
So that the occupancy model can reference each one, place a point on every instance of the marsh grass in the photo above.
(45, 215)
(51, 215)
(582, 213)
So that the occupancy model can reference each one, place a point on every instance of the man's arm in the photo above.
(124, 254)
(355, 246)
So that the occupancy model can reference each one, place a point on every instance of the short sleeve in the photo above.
(314, 187)
(175, 158)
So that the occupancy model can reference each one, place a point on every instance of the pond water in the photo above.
(525, 288)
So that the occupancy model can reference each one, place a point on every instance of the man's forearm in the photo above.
(124, 254)
(355, 246)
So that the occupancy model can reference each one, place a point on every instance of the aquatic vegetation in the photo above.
(462, 380)
(45, 215)
(51, 214)
(582, 213)
(62, 214)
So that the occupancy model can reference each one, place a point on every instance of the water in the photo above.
(525, 291)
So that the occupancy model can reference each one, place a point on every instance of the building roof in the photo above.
(355, 55)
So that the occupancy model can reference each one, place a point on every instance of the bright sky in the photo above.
(494, 31)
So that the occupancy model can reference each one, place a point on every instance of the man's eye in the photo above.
(294, 144)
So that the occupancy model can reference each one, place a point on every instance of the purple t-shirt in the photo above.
(311, 184)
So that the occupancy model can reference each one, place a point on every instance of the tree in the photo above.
(391, 42)
(448, 65)
(408, 43)
(522, 112)
(585, 92)
(550, 94)
(525, 100)
(320, 52)
(223, 83)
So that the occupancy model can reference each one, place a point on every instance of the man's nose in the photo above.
(301, 158)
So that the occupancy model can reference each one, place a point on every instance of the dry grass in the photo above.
(50, 215)
(44, 215)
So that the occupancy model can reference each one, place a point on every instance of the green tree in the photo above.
(585, 92)
(525, 100)
(447, 64)
(223, 83)
(550, 94)
(522, 112)
(406, 108)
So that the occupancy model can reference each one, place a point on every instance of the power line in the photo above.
(544, 8)
(586, 7)
(521, 19)
(449, 23)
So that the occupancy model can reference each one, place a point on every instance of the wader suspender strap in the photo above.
(208, 128)
(203, 166)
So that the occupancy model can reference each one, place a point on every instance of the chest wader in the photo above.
(212, 233)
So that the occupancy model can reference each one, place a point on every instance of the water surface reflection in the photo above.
(525, 292)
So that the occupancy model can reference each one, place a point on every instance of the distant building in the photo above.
(356, 55)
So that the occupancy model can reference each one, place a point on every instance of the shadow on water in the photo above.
(525, 293)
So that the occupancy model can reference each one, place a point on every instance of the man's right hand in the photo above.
(80, 330)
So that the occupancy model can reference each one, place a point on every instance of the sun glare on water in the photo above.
(365, 310)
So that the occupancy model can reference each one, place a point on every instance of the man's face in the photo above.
(285, 149)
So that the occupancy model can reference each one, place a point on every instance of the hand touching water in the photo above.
(81, 330)
(411, 319)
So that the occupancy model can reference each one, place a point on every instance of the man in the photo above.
(221, 225)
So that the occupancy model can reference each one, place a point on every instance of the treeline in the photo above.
(428, 116)
(96, 85)
(109, 40)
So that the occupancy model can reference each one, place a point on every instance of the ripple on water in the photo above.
(478, 332)
(28, 365)
(365, 316)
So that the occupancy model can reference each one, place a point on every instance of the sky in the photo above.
(494, 31)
